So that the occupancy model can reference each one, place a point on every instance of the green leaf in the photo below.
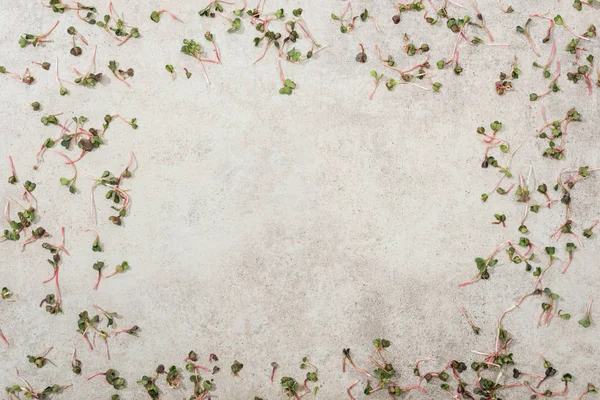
(64, 181)
(290, 84)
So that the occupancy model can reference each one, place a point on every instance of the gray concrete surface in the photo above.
(266, 228)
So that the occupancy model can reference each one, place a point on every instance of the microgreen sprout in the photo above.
(121, 74)
(27, 78)
(76, 50)
(362, 56)
(69, 182)
(119, 269)
(350, 25)
(590, 389)
(589, 231)
(98, 267)
(85, 325)
(96, 244)
(89, 79)
(40, 360)
(170, 69)
(155, 16)
(12, 179)
(500, 219)
(193, 49)
(557, 130)
(29, 393)
(288, 84)
(236, 367)
(274, 365)
(474, 327)
(31, 39)
(6, 294)
(75, 363)
(587, 320)
(553, 87)
(45, 65)
(378, 78)
(410, 49)
(583, 72)
(112, 378)
(188, 74)
(36, 106)
(525, 31)
(115, 192)
(118, 31)
(150, 383)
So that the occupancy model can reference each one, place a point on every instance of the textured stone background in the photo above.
(266, 227)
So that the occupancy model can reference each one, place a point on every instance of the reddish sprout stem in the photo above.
(4, 338)
(170, 13)
(350, 388)
(273, 373)
(95, 375)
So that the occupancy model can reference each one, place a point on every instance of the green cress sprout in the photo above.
(414, 6)
(121, 74)
(155, 16)
(193, 49)
(98, 267)
(525, 31)
(587, 321)
(29, 393)
(362, 56)
(89, 79)
(377, 77)
(54, 301)
(149, 383)
(41, 360)
(553, 87)
(555, 134)
(69, 182)
(311, 376)
(27, 78)
(119, 30)
(288, 84)
(45, 65)
(6, 294)
(274, 365)
(12, 179)
(188, 74)
(589, 231)
(31, 39)
(75, 50)
(96, 244)
(349, 26)
(115, 192)
(474, 327)
(170, 69)
(410, 49)
(36, 106)
(75, 363)
(119, 269)
(236, 367)
(112, 378)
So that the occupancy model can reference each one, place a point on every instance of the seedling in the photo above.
(288, 84)
(112, 378)
(173, 377)
(119, 269)
(119, 30)
(76, 50)
(96, 244)
(45, 65)
(557, 131)
(85, 325)
(525, 31)
(90, 78)
(590, 389)
(36, 106)
(583, 72)
(41, 360)
(121, 74)
(170, 69)
(401, 7)
(274, 365)
(350, 25)
(133, 331)
(588, 232)
(27, 78)
(378, 78)
(188, 74)
(410, 49)
(149, 384)
(193, 49)
(500, 219)
(6, 294)
(474, 327)
(155, 16)
(115, 193)
(98, 267)
(31, 39)
(12, 179)
(29, 393)
(553, 87)
(54, 301)
(587, 321)
(236, 367)
(362, 56)
(75, 363)
(69, 182)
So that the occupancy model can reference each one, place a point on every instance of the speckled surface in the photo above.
(265, 228)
